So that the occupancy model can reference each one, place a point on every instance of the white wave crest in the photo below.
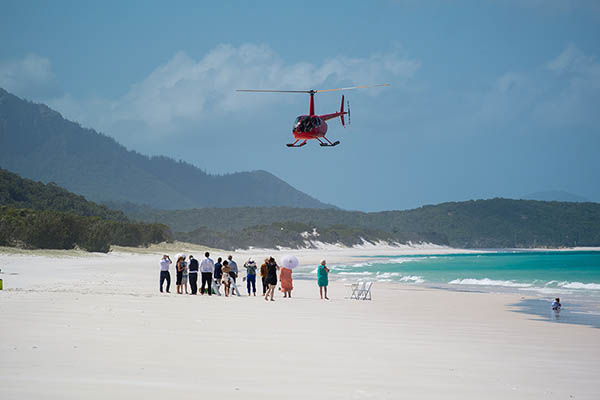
(579, 285)
(415, 279)
(387, 274)
(354, 273)
(488, 282)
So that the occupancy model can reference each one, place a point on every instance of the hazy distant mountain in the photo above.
(38, 143)
(555, 195)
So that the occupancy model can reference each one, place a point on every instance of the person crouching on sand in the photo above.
(226, 277)
(180, 267)
(285, 277)
(323, 279)
(272, 268)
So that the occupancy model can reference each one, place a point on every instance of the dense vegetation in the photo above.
(38, 143)
(295, 235)
(495, 223)
(34, 229)
(24, 193)
(35, 215)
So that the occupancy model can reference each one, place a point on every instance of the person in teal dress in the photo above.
(323, 279)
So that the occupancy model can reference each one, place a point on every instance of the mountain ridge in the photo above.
(38, 143)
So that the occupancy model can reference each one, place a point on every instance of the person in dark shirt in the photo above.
(272, 268)
(193, 274)
(218, 269)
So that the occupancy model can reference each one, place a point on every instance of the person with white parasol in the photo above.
(288, 263)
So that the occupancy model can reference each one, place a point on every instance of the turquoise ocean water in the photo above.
(572, 275)
(543, 271)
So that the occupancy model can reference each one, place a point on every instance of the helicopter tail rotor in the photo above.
(348, 108)
(342, 112)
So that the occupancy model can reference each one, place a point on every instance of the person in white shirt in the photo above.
(234, 268)
(207, 267)
(165, 275)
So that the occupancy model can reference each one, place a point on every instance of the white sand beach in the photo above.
(76, 325)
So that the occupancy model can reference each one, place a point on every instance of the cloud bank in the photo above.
(30, 77)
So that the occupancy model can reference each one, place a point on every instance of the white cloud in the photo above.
(29, 77)
(575, 62)
(194, 90)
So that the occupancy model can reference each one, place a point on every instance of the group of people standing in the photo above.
(225, 272)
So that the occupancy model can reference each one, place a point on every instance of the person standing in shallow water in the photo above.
(165, 275)
(323, 279)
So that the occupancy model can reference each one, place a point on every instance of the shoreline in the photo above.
(97, 327)
(337, 254)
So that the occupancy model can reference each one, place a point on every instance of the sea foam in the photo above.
(488, 282)
(579, 285)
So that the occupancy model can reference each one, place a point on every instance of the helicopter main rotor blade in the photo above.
(352, 87)
(310, 91)
(273, 91)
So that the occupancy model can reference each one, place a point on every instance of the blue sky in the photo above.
(488, 98)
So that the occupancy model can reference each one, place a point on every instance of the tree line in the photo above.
(49, 229)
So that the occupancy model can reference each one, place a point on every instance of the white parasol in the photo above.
(289, 261)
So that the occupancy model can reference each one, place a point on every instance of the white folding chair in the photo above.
(356, 289)
(365, 294)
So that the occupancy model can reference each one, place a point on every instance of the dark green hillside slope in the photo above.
(24, 193)
(35, 215)
(38, 143)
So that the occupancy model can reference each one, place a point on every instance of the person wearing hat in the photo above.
(250, 266)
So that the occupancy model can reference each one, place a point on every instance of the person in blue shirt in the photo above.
(556, 304)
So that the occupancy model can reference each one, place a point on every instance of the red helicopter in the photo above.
(313, 126)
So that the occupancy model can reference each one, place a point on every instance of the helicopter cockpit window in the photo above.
(304, 124)
(297, 123)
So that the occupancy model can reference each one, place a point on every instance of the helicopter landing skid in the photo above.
(329, 143)
(296, 145)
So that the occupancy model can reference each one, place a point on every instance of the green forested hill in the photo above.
(24, 193)
(37, 215)
(495, 223)
(38, 143)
